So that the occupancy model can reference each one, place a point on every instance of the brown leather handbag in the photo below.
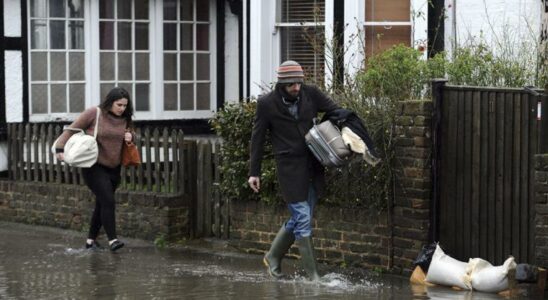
(130, 154)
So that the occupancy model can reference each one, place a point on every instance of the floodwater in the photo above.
(46, 263)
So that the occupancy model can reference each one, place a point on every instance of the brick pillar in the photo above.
(413, 185)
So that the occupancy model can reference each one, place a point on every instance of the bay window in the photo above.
(160, 51)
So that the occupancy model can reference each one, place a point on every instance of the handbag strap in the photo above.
(96, 125)
(96, 122)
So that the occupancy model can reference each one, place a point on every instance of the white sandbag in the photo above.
(448, 271)
(488, 278)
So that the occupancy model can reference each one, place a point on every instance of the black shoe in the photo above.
(116, 245)
(93, 246)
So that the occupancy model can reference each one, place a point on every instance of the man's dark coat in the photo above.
(296, 166)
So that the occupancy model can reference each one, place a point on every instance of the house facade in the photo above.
(182, 60)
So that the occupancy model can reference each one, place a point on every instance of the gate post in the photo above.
(438, 85)
(543, 130)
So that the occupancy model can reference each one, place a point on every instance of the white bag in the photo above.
(81, 150)
(488, 278)
(448, 271)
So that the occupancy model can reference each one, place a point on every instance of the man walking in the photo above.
(287, 113)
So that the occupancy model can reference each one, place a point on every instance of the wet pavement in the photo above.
(47, 263)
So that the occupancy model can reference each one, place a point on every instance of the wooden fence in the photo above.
(170, 164)
(486, 140)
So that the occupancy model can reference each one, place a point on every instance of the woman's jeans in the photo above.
(300, 222)
(102, 181)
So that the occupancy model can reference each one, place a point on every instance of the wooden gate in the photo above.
(486, 141)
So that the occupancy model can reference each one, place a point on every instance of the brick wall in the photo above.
(140, 215)
(390, 239)
(541, 207)
(411, 210)
(341, 236)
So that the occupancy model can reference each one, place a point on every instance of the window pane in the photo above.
(77, 66)
(394, 10)
(106, 87)
(124, 9)
(39, 65)
(379, 38)
(107, 66)
(125, 66)
(187, 66)
(170, 10)
(187, 96)
(170, 66)
(39, 98)
(186, 10)
(124, 36)
(77, 97)
(170, 96)
(294, 11)
(202, 37)
(38, 34)
(106, 35)
(76, 8)
(141, 97)
(38, 8)
(57, 34)
(57, 8)
(186, 37)
(76, 35)
(202, 66)
(306, 47)
(202, 96)
(58, 98)
(141, 9)
(142, 66)
(128, 87)
(202, 10)
(141, 36)
(57, 66)
(170, 36)
(106, 9)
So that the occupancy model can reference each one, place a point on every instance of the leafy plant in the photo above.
(234, 124)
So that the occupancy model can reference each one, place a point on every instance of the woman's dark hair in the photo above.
(118, 93)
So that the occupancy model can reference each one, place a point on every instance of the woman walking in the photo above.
(104, 176)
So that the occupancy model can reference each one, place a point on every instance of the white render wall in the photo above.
(13, 64)
(494, 21)
(12, 18)
(232, 63)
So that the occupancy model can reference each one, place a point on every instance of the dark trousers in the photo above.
(102, 181)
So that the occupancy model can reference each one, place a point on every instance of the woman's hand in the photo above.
(60, 156)
(128, 137)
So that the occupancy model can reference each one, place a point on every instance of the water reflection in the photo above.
(45, 263)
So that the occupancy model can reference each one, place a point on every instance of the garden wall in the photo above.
(138, 214)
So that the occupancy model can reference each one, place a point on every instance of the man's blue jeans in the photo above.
(300, 222)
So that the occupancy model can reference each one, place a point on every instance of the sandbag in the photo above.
(448, 271)
(488, 278)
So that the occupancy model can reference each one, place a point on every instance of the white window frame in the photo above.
(47, 117)
(327, 25)
(92, 70)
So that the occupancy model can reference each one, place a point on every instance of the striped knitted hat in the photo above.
(290, 72)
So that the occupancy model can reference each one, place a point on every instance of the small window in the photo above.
(124, 54)
(187, 55)
(57, 56)
(301, 24)
(387, 23)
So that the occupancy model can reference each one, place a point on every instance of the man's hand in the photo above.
(254, 183)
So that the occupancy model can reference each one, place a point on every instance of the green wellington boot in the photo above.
(281, 244)
(306, 249)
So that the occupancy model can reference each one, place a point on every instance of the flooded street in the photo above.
(47, 263)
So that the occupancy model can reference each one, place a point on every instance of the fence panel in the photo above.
(488, 139)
